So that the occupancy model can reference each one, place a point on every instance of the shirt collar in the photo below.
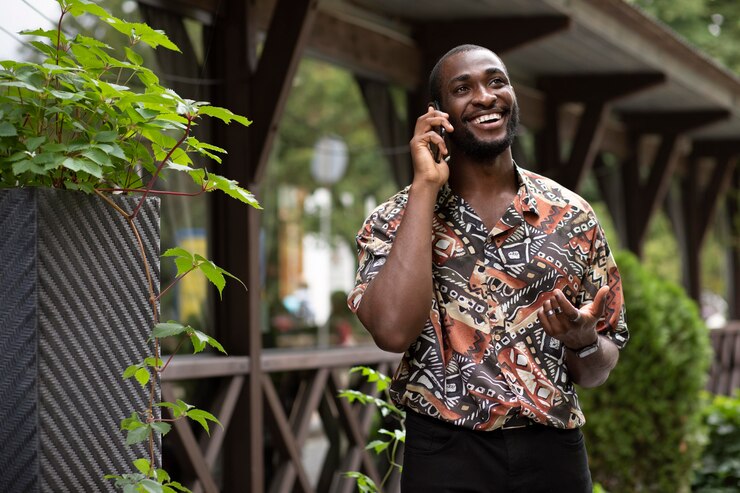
(525, 200)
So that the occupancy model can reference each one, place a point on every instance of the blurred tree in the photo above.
(710, 25)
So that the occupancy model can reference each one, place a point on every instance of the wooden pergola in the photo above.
(598, 83)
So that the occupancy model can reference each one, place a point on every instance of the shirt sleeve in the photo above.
(374, 241)
(603, 271)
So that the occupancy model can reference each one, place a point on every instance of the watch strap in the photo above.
(587, 350)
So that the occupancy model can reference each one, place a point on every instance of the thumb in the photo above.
(598, 306)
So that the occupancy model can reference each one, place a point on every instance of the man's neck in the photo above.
(470, 177)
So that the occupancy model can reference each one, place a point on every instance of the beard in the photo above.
(478, 150)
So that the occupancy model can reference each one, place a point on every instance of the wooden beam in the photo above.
(732, 203)
(652, 193)
(231, 62)
(373, 54)
(391, 131)
(300, 418)
(286, 37)
(585, 145)
(691, 217)
(718, 185)
(499, 34)
(676, 122)
(547, 140)
(715, 147)
(595, 92)
(284, 434)
(645, 198)
(597, 87)
(699, 208)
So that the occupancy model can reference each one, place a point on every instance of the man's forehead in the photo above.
(473, 60)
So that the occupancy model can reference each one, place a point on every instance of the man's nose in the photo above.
(485, 96)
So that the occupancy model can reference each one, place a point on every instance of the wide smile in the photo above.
(488, 121)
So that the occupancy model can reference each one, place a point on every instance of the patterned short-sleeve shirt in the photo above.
(483, 355)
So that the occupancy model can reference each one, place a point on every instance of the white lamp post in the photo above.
(327, 167)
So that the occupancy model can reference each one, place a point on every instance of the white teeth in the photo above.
(494, 117)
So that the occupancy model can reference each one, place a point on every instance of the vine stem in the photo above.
(153, 299)
(175, 281)
(151, 183)
(155, 192)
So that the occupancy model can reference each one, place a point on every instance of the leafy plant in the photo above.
(719, 469)
(388, 440)
(84, 119)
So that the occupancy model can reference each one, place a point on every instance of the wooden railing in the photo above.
(724, 375)
(298, 386)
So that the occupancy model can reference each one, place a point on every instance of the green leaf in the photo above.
(177, 252)
(174, 485)
(223, 114)
(232, 189)
(161, 427)
(151, 486)
(133, 57)
(132, 423)
(21, 167)
(7, 130)
(33, 143)
(153, 362)
(377, 446)
(183, 265)
(137, 435)
(79, 7)
(107, 136)
(167, 329)
(142, 32)
(200, 339)
(142, 376)
(214, 275)
(76, 164)
(143, 465)
(162, 475)
(97, 156)
(130, 371)
(203, 417)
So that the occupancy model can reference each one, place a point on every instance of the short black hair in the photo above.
(435, 91)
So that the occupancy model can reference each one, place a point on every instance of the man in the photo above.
(515, 299)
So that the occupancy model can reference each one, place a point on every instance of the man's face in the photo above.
(478, 96)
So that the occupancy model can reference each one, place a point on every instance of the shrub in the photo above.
(719, 469)
(643, 427)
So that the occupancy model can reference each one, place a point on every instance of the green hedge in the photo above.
(719, 469)
(643, 427)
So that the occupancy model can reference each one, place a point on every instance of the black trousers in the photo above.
(441, 457)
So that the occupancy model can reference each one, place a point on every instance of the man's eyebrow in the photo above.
(489, 71)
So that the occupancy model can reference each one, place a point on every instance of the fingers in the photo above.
(570, 312)
(429, 148)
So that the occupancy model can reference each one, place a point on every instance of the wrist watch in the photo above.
(587, 350)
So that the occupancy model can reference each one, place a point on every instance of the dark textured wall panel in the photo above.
(92, 321)
(18, 341)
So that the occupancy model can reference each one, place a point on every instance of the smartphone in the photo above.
(436, 152)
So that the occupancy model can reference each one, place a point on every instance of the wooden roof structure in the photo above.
(598, 81)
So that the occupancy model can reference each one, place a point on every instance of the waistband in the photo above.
(513, 422)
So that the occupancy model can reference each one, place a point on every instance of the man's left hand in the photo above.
(573, 327)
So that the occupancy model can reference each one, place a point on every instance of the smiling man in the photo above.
(515, 299)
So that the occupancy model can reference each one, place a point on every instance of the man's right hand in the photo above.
(426, 170)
